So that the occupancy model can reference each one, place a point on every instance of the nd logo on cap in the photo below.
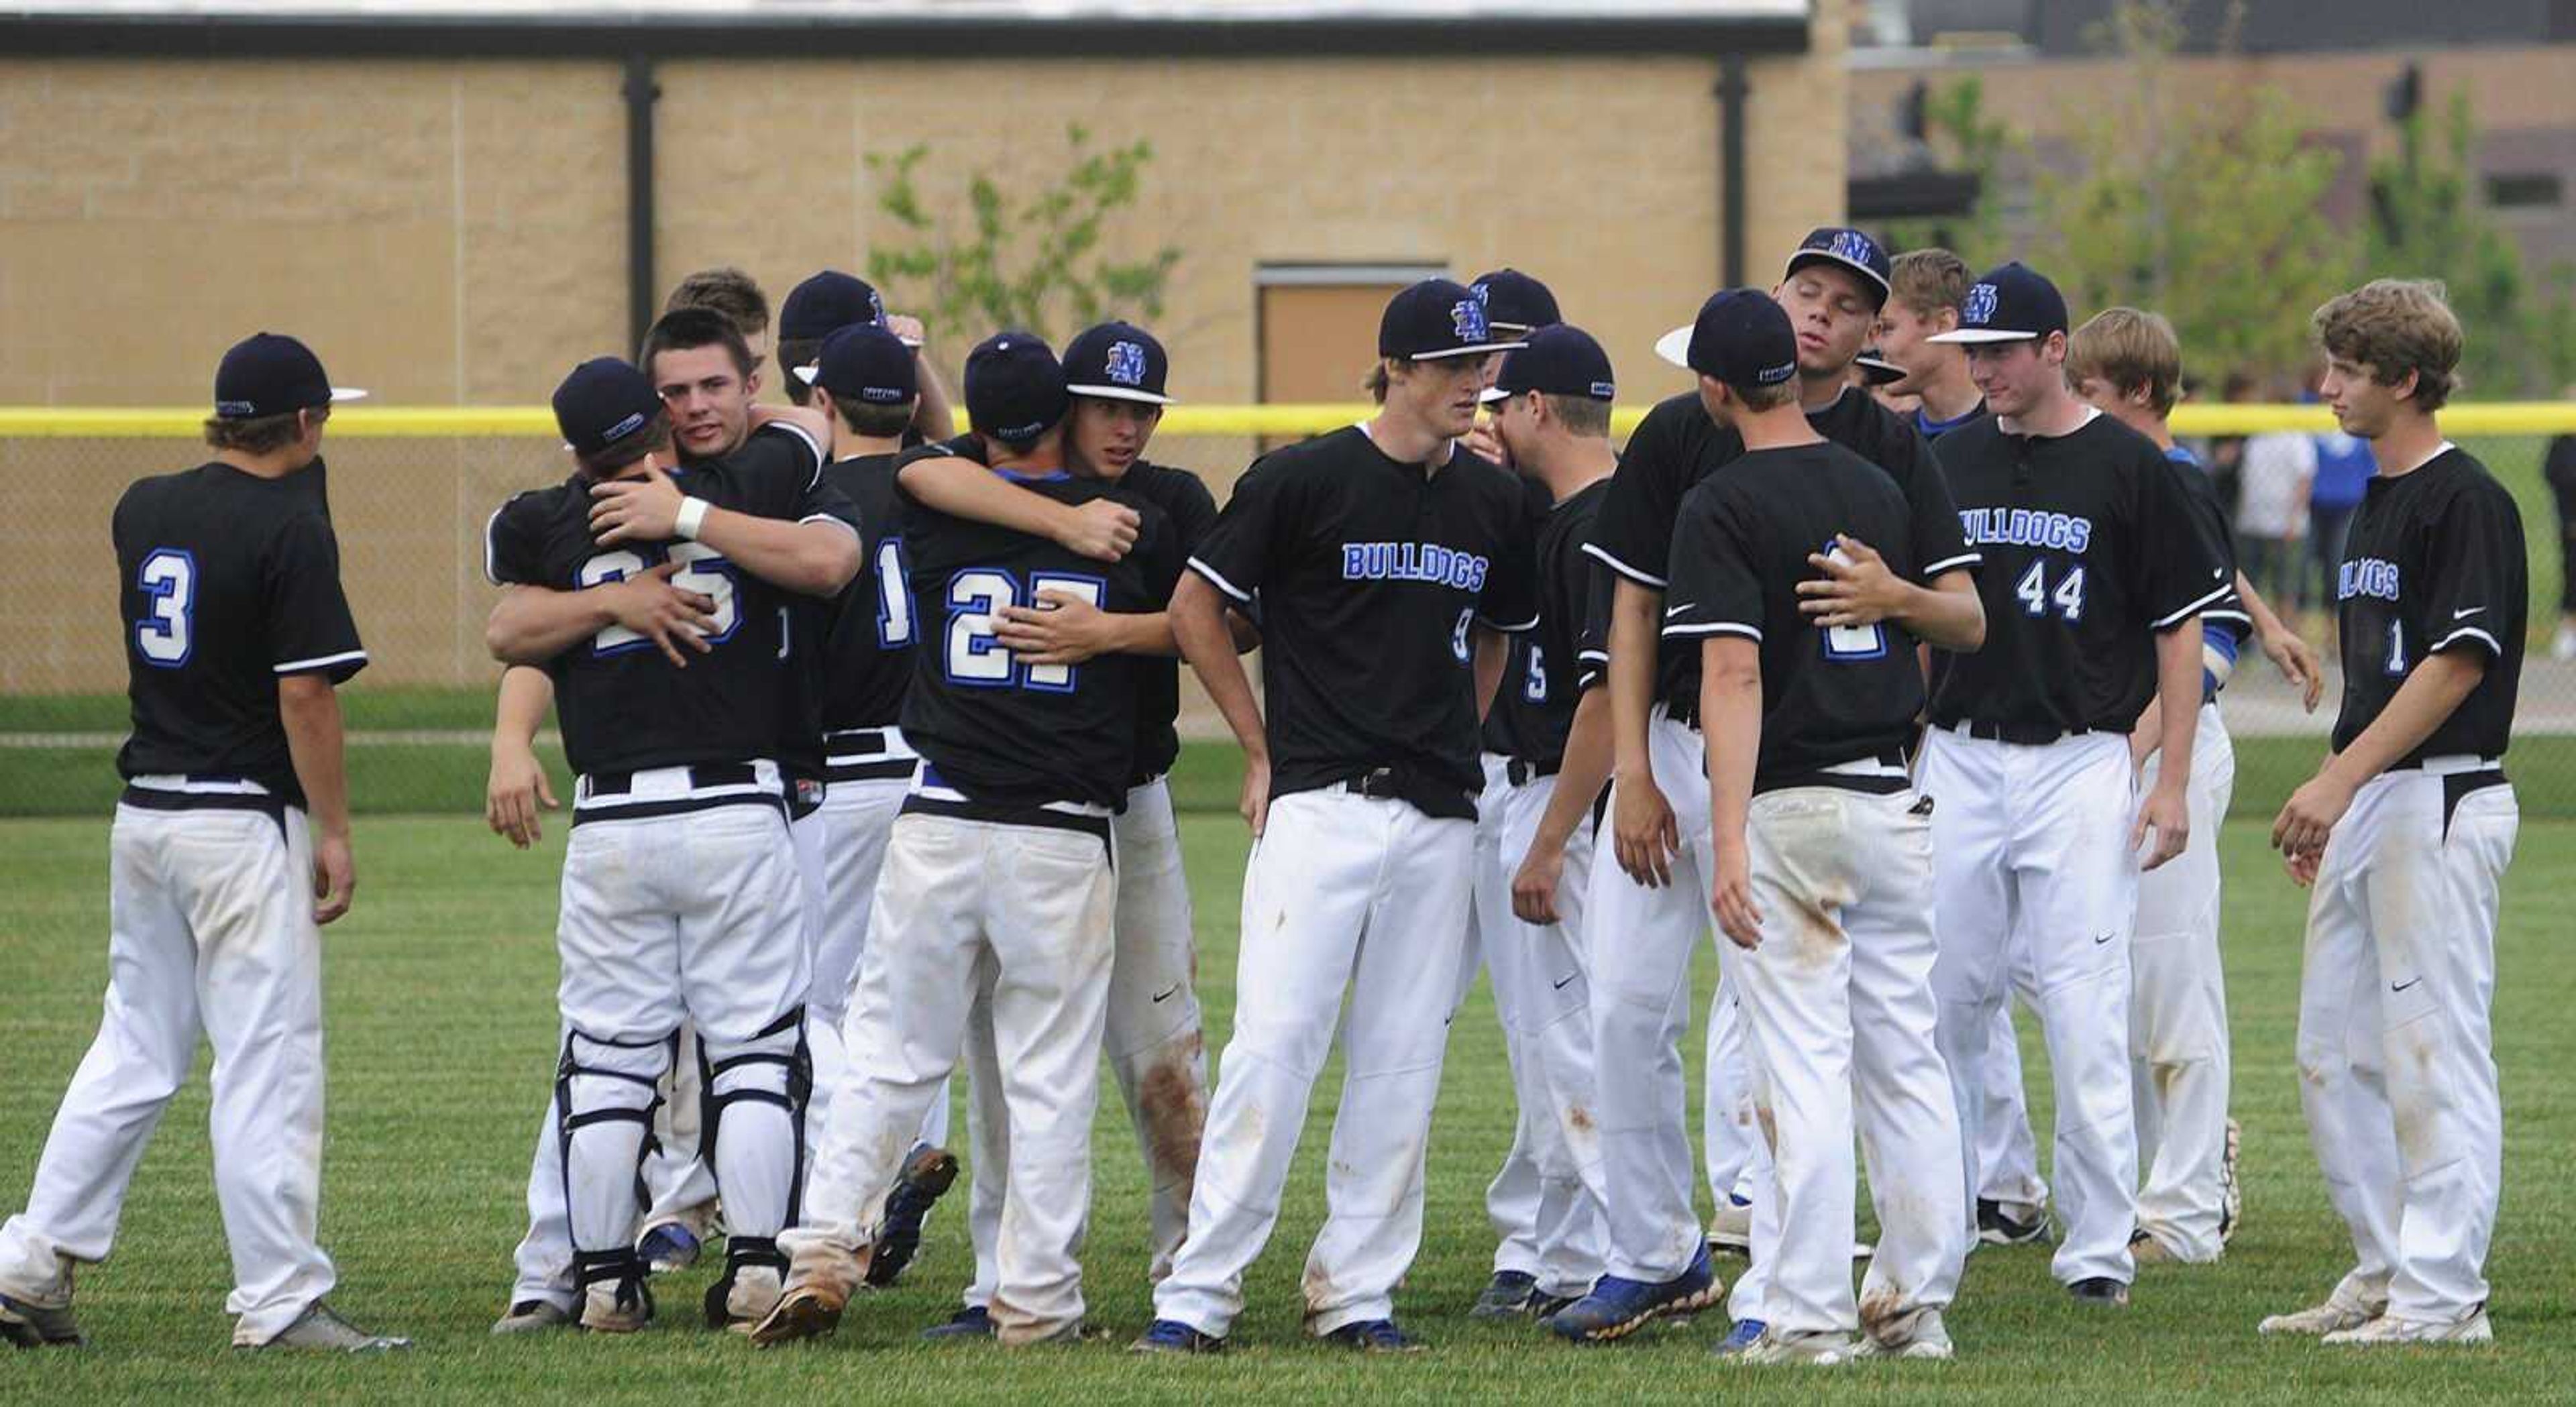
(1126, 363)
(1469, 319)
(1979, 310)
(1854, 246)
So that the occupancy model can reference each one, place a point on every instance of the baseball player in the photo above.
(831, 300)
(1833, 288)
(2094, 580)
(2404, 834)
(1550, 410)
(681, 896)
(997, 877)
(2128, 365)
(1821, 849)
(1117, 374)
(1379, 553)
(236, 634)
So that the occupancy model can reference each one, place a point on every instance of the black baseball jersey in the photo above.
(230, 582)
(2226, 615)
(1547, 674)
(623, 706)
(1372, 575)
(1739, 552)
(1003, 733)
(2436, 561)
(866, 662)
(2091, 548)
(1677, 445)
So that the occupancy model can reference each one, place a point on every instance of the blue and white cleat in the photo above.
(1173, 1336)
(1619, 1307)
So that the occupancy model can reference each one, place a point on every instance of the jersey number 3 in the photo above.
(973, 657)
(167, 634)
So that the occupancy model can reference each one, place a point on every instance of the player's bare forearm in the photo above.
(527, 694)
(1730, 712)
(1583, 773)
(1947, 614)
(1492, 653)
(1631, 673)
(816, 425)
(2178, 671)
(2431, 694)
(530, 625)
(309, 710)
(813, 558)
(961, 488)
(2282, 645)
(1198, 624)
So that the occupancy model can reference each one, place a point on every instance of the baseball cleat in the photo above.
(1543, 1306)
(1818, 1350)
(616, 1307)
(1374, 1336)
(529, 1316)
(2101, 1290)
(1507, 1297)
(926, 1177)
(2335, 1316)
(29, 1324)
(319, 1330)
(1173, 1336)
(2145, 1249)
(2389, 1329)
(808, 1310)
(1730, 1232)
(743, 1298)
(1744, 1334)
(1997, 1227)
(1618, 1307)
(668, 1248)
(2231, 1190)
(1924, 1340)
(973, 1322)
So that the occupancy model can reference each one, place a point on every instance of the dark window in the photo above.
(2523, 190)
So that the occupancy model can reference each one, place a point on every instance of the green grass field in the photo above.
(440, 993)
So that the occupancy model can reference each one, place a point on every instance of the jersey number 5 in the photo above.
(167, 634)
(975, 597)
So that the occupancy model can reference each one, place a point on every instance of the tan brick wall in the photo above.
(454, 234)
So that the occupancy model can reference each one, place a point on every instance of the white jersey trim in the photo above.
(1217, 579)
(1964, 559)
(2177, 618)
(321, 661)
(1723, 627)
(1601, 555)
(2467, 632)
(1492, 624)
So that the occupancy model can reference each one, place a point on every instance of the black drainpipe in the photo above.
(1731, 91)
(640, 283)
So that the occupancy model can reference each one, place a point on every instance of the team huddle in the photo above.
(1891, 656)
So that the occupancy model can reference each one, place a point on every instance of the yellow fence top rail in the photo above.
(451, 422)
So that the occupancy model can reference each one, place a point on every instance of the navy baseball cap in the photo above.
(1848, 248)
(1560, 360)
(1116, 361)
(1876, 369)
(1741, 337)
(269, 373)
(1437, 318)
(824, 304)
(1514, 301)
(604, 403)
(1014, 387)
(2013, 303)
(866, 364)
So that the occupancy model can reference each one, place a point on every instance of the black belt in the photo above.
(868, 740)
(1521, 771)
(1377, 784)
(1430, 797)
(268, 804)
(2018, 734)
(1846, 781)
(705, 774)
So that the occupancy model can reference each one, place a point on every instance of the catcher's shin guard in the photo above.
(754, 1139)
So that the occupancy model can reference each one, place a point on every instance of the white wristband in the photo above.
(693, 511)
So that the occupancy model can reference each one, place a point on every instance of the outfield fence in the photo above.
(410, 491)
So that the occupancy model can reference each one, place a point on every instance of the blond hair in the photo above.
(2129, 350)
(2396, 326)
(1928, 280)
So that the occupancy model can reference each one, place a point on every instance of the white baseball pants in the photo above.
(2031, 843)
(1151, 1035)
(1512, 1198)
(1838, 998)
(2007, 1155)
(1343, 893)
(2396, 1058)
(210, 928)
(857, 817)
(2178, 1052)
(1024, 910)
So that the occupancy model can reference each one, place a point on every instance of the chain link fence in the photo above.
(410, 491)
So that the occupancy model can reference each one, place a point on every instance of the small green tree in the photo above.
(2206, 210)
(2428, 221)
(1036, 264)
(1965, 139)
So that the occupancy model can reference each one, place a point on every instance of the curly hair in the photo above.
(2394, 327)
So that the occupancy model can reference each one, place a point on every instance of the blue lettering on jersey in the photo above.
(2366, 576)
(2026, 527)
(1413, 561)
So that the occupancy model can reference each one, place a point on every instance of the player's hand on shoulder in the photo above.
(667, 615)
(1064, 628)
(1645, 834)
(1534, 886)
(1857, 587)
(335, 878)
(2165, 816)
(1731, 895)
(642, 509)
(517, 795)
(1102, 530)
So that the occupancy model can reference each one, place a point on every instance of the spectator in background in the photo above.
(2273, 475)
(2344, 468)
(2560, 469)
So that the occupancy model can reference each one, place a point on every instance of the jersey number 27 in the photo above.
(973, 657)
